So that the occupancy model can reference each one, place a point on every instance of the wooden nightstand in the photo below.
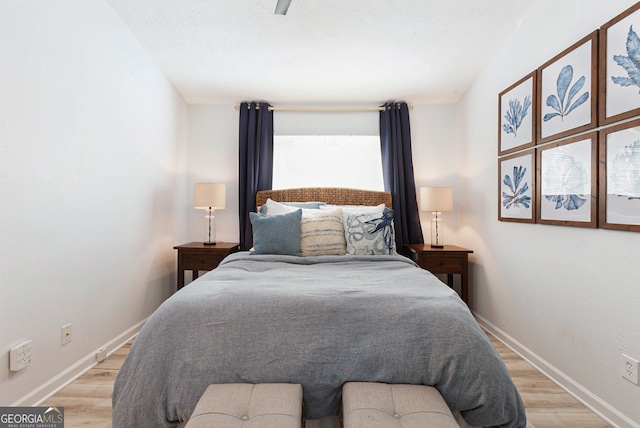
(448, 260)
(195, 256)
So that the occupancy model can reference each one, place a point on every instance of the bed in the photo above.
(317, 319)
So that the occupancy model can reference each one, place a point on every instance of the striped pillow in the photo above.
(322, 233)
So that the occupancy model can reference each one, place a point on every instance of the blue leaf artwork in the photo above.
(517, 188)
(515, 115)
(569, 202)
(561, 105)
(625, 175)
(630, 63)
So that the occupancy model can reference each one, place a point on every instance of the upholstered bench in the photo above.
(265, 405)
(381, 405)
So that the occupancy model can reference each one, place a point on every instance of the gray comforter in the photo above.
(317, 321)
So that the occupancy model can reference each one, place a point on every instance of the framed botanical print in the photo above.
(620, 67)
(516, 116)
(567, 182)
(567, 91)
(620, 177)
(517, 187)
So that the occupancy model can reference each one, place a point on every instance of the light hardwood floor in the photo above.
(547, 404)
(87, 401)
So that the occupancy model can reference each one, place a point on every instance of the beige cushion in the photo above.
(243, 405)
(322, 233)
(369, 404)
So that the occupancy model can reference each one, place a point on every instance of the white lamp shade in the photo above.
(436, 199)
(209, 195)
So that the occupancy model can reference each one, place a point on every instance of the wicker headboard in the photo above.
(330, 195)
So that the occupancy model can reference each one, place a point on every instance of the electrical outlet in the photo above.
(20, 356)
(101, 355)
(630, 369)
(66, 334)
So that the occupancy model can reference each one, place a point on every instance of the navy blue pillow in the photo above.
(276, 234)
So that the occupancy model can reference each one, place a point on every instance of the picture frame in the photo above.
(517, 115)
(620, 177)
(619, 83)
(517, 187)
(568, 91)
(567, 174)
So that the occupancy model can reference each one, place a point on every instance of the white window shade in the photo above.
(327, 161)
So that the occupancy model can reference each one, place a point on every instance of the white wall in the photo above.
(436, 161)
(92, 190)
(569, 296)
(213, 157)
(213, 152)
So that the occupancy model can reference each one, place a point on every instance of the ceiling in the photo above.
(329, 52)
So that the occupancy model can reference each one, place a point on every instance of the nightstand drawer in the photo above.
(449, 259)
(201, 261)
(196, 256)
(442, 264)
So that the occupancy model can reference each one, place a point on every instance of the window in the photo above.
(327, 161)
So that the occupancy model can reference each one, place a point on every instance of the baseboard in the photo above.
(55, 384)
(579, 392)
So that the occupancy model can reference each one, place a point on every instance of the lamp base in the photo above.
(209, 228)
(437, 235)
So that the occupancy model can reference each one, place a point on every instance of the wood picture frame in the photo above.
(517, 187)
(619, 69)
(568, 91)
(567, 178)
(517, 107)
(620, 177)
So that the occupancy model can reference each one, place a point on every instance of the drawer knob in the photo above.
(441, 262)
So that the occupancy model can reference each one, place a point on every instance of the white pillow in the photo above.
(276, 208)
(355, 208)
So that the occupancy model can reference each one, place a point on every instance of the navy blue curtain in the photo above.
(256, 161)
(397, 171)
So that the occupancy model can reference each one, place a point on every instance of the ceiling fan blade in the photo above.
(282, 7)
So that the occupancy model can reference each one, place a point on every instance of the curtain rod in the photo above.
(324, 109)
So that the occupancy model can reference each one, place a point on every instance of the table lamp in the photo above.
(436, 200)
(209, 197)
